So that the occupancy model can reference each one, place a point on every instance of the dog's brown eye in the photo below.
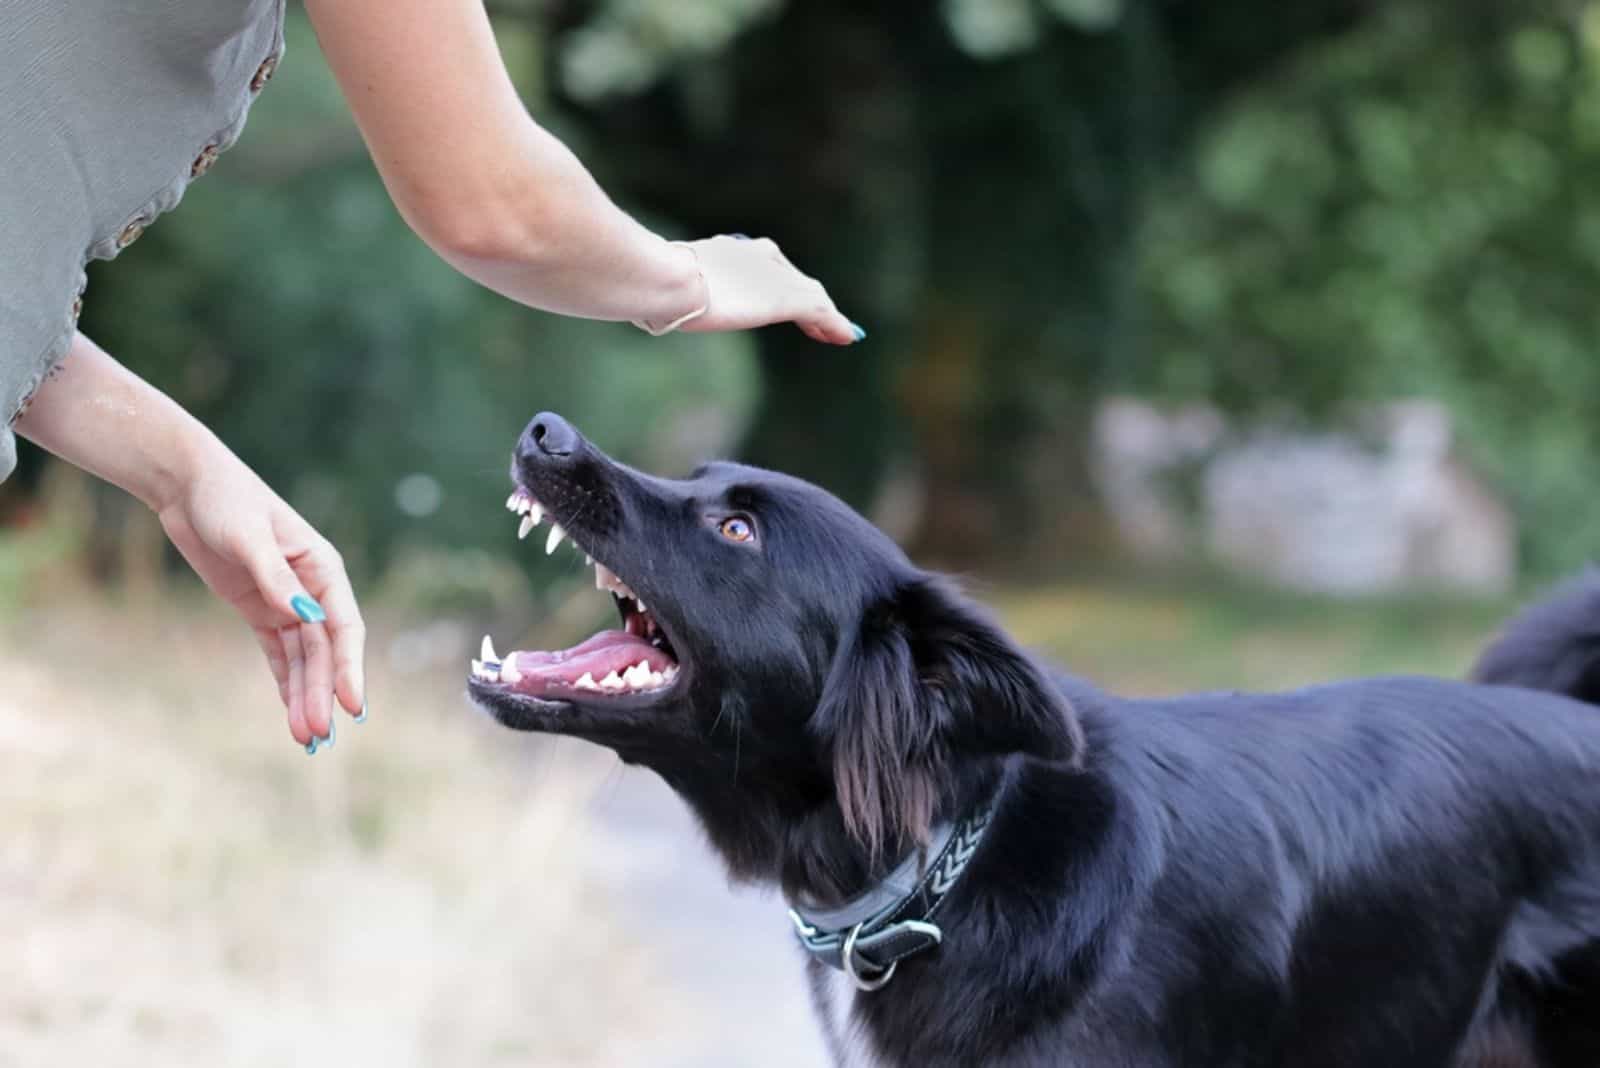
(736, 529)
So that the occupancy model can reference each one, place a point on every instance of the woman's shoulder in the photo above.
(110, 111)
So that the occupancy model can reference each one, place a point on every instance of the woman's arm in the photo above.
(250, 547)
(507, 204)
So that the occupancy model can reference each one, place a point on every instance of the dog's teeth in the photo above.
(638, 676)
(613, 681)
(488, 652)
(513, 503)
(586, 682)
(588, 559)
(657, 680)
(536, 511)
(640, 601)
(509, 672)
(527, 524)
(556, 534)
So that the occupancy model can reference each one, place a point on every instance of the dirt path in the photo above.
(733, 946)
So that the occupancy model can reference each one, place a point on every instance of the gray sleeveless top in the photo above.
(108, 109)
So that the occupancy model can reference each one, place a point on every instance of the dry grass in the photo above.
(180, 885)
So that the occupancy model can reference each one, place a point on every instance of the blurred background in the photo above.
(1223, 345)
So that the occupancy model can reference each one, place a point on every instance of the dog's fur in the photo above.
(1393, 872)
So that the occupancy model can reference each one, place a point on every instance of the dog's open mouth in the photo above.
(637, 659)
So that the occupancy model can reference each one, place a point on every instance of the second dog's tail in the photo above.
(1553, 645)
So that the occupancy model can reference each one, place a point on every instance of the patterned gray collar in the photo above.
(868, 936)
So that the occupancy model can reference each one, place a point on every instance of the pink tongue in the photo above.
(529, 661)
(608, 651)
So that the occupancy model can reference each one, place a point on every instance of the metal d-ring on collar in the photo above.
(849, 960)
(868, 936)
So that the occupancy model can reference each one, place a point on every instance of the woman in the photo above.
(108, 111)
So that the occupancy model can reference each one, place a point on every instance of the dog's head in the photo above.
(777, 653)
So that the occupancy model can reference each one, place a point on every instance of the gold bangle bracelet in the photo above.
(657, 331)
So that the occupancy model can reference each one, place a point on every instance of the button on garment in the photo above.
(108, 110)
(130, 233)
(264, 74)
(203, 161)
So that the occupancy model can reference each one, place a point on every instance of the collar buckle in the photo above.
(869, 952)
(868, 937)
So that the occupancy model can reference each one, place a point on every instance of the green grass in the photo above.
(1152, 638)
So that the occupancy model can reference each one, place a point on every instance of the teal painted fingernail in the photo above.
(307, 609)
(363, 717)
(333, 729)
(861, 335)
(312, 745)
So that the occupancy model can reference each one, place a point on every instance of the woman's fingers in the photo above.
(277, 661)
(280, 587)
(317, 695)
(302, 630)
(815, 313)
(295, 654)
(820, 319)
(322, 570)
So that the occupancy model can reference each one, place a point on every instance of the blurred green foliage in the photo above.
(1028, 203)
(1412, 210)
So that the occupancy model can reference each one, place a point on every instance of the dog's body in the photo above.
(1357, 874)
(1398, 872)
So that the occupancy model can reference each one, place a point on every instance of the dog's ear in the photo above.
(926, 680)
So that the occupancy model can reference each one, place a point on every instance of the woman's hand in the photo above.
(286, 580)
(752, 283)
(250, 547)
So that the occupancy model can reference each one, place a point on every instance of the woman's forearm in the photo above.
(496, 195)
(550, 238)
(98, 415)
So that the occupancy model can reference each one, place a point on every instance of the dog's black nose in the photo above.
(552, 435)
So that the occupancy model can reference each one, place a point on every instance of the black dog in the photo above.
(992, 864)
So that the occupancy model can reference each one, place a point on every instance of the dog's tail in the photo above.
(1553, 645)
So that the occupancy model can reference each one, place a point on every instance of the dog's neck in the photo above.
(790, 833)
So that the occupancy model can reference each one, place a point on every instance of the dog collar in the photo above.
(868, 936)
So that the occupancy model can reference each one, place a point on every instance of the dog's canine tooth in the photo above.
(527, 524)
(556, 534)
(488, 652)
(639, 675)
(640, 601)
